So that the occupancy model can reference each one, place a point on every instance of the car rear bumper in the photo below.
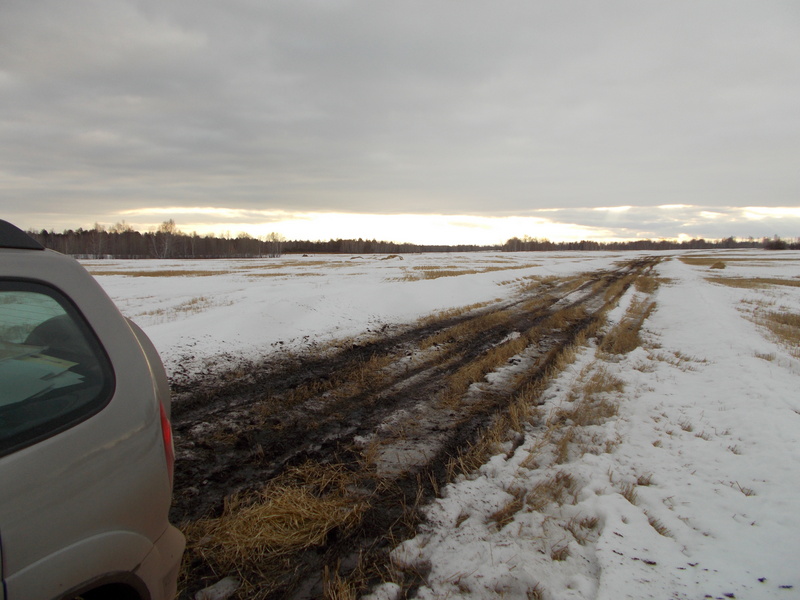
(159, 570)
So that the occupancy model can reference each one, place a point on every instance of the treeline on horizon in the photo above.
(123, 242)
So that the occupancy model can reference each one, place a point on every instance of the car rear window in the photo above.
(53, 371)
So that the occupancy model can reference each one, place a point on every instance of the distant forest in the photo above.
(123, 242)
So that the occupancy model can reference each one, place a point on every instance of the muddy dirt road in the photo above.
(399, 411)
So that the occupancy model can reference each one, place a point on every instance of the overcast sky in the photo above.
(476, 120)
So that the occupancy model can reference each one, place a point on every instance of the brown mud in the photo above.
(394, 396)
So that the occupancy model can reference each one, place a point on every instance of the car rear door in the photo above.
(84, 483)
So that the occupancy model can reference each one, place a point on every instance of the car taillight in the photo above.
(169, 448)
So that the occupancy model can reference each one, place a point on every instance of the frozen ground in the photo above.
(689, 492)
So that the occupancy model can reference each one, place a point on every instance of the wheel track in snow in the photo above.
(236, 435)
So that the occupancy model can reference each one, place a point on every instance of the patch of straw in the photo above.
(256, 533)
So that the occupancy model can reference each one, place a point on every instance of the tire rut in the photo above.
(391, 398)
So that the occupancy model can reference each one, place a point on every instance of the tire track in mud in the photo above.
(396, 409)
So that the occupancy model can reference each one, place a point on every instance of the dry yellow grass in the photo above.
(284, 274)
(753, 282)
(465, 329)
(628, 491)
(193, 305)
(449, 314)
(647, 284)
(488, 444)
(589, 411)
(564, 318)
(625, 337)
(658, 526)
(336, 587)
(294, 512)
(505, 515)
(708, 261)
(618, 287)
(784, 327)
(582, 527)
(460, 381)
(591, 404)
(538, 303)
(563, 441)
(559, 488)
(163, 273)
(602, 382)
(435, 271)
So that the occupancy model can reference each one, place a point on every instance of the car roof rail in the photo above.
(12, 236)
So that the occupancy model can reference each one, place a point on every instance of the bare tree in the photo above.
(274, 244)
(97, 240)
(163, 239)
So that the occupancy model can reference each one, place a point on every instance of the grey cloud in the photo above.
(711, 222)
(464, 108)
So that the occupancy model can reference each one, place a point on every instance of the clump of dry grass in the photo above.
(679, 360)
(294, 512)
(581, 528)
(784, 325)
(534, 593)
(436, 271)
(602, 382)
(505, 515)
(628, 491)
(564, 285)
(625, 337)
(527, 283)
(647, 284)
(466, 329)
(161, 273)
(718, 265)
(430, 272)
(660, 528)
(475, 455)
(459, 382)
(558, 488)
(587, 411)
(450, 313)
(566, 317)
(753, 282)
(336, 587)
(699, 261)
(193, 306)
(563, 443)
(538, 303)
(745, 490)
(367, 372)
(560, 552)
(284, 274)
(618, 287)
(590, 405)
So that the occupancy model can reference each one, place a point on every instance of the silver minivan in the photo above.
(86, 455)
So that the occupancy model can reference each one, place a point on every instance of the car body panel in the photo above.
(2, 579)
(85, 487)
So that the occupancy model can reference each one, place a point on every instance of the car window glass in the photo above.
(53, 371)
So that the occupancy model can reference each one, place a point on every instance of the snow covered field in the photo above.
(688, 492)
(197, 311)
